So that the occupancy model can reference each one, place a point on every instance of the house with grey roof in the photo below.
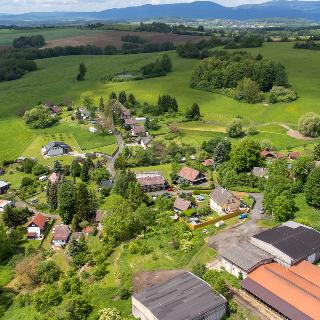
(243, 258)
(184, 297)
(290, 243)
(224, 201)
(260, 172)
(53, 149)
(4, 187)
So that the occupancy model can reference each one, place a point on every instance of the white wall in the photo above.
(214, 206)
(36, 230)
(233, 269)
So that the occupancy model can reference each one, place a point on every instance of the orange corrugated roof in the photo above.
(292, 285)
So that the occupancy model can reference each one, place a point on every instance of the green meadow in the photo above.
(55, 81)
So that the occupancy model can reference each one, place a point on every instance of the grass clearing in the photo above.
(164, 168)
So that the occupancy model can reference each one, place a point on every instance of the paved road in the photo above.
(113, 159)
(242, 231)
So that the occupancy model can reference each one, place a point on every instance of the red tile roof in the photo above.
(39, 220)
(88, 229)
(54, 177)
(189, 173)
(181, 204)
(208, 162)
(294, 292)
(61, 232)
(294, 155)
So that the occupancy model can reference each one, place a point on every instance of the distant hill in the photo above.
(309, 10)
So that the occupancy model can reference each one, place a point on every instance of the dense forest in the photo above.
(246, 74)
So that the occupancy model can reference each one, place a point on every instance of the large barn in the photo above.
(290, 243)
(184, 297)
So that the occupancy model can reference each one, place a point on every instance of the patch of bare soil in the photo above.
(295, 134)
(145, 279)
(101, 39)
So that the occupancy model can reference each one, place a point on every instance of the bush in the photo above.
(309, 125)
(312, 188)
(48, 272)
(252, 130)
(124, 293)
(39, 118)
(234, 130)
(282, 94)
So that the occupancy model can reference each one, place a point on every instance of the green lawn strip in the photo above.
(164, 168)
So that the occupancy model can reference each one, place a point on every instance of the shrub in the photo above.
(234, 130)
(282, 94)
(124, 293)
(39, 118)
(186, 246)
(252, 130)
(48, 272)
(309, 124)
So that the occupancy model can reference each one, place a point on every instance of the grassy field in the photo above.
(6, 36)
(55, 80)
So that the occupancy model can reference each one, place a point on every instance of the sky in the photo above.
(19, 6)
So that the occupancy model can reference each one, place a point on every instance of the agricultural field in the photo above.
(7, 36)
(103, 38)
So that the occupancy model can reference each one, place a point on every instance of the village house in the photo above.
(151, 181)
(54, 178)
(260, 172)
(224, 201)
(208, 163)
(181, 204)
(36, 226)
(190, 176)
(53, 108)
(4, 204)
(125, 113)
(61, 235)
(144, 142)
(138, 131)
(294, 155)
(129, 123)
(4, 187)
(88, 230)
(53, 149)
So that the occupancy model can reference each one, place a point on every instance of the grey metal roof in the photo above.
(52, 144)
(3, 184)
(182, 298)
(295, 240)
(246, 256)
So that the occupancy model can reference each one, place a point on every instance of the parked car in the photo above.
(261, 211)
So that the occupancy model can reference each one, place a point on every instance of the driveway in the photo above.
(113, 159)
(240, 232)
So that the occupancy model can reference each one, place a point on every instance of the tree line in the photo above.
(36, 41)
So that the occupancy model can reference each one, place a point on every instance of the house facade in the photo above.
(36, 226)
(61, 235)
(224, 201)
(53, 149)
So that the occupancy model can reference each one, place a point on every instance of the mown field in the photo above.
(6, 35)
(55, 81)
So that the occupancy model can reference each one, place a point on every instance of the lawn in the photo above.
(164, 168)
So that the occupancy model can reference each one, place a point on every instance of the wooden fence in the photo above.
(213, 221)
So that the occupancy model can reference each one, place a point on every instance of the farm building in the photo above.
(4, 187)
(61, 235)
(224, 201)
(184, 297)
(36, 226)
(293, 292)
(191, 176)
(290, 243)
(151, 181)
(241, 259)
(4, 204)
(56, 149)
(181, 204)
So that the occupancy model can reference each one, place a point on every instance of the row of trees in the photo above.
(158, 68)
(36, 41)
(15, 68)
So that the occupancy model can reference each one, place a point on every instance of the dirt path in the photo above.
(294, 133)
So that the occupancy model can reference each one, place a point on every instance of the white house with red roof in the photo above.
(37, 226)
(4, 204)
